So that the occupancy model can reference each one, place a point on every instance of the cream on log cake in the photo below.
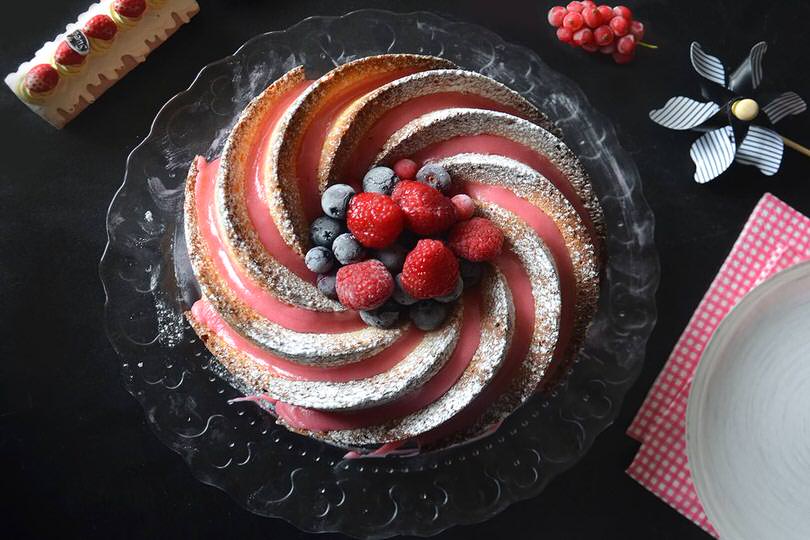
(393, 256)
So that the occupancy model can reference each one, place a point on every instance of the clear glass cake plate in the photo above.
(238, 447)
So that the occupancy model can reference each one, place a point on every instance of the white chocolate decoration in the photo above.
(107, 61)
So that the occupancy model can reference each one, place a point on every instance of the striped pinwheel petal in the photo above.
(707, 65)
(761, 148)
(748, 76)
(712, 153)
(683, 113)
(784, 105)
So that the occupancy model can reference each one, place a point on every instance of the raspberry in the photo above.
(464, 205)
(573, 21)
(626, 45)
(374, 219)
(364, 285)
(592, 17)
(430, 270)
(565, 36)
(575, 7)
(476, 240)
(556, 15)
(603, 35)
(619, 25)
(623, 11)
(583, 36)
(426, 210)
(406, 169)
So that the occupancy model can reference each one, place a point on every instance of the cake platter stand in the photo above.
(237, 447)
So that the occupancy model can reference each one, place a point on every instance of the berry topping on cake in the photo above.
(66, 56)
(435, 176)
(365, 285)
(399, 295)
(477, 239)
(326, 285)
(471, 272)
(374, 219)
(130, 8)
(406, 169)
(454, 295)
(380, 180)
(100, 27)
(428, 315)
(464, 205)
(392, 257)
(430, 270)
(335, 200)
(384, 316)
(347, 249)
(41, 78)
(319, 260)
(426, 210)
(324, 230)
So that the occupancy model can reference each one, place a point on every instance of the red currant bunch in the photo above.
(598, 28)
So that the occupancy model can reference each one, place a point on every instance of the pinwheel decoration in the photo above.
(733, 128)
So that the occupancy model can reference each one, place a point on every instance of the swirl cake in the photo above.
(316, 364)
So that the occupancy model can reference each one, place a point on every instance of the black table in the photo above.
(77, 457)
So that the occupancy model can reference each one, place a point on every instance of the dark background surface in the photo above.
(77, 457)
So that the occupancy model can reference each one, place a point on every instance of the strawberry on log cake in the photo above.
(394, 256)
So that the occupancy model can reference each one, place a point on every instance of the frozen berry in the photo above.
(477, 239)
(620, 58)
(603, 35)
(326, 285)
(592, 17)
(335, 200)
(623, 11)
(556, 15)
(626, 44)
(464, 205)
(454, 295)
(470, 272)
(374, 219)
(435, 176)
(566, 36)
(575, 6)
(637, 29)
(393, 257)
(380, 180)
(324, 230)
(384, 316)
(428, 315)
(319, 260)
(620, 26)
(405, 169)
(347, 249)
(426, 210)
(430, 270)
(399, 295)
(583, 36)
(364, 285)
(41, 78)
(573, 21)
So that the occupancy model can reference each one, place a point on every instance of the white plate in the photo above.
(748, 416)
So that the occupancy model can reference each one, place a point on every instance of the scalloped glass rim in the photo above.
(237, 447)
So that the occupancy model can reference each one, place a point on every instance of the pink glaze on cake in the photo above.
(381, 362)
(396, 117)
(286, 315)
(437, 386)
(546, 229)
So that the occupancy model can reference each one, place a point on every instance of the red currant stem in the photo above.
(648, 45)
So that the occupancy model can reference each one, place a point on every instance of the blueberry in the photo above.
(380, 180)
(384, 316)
(347, 249)
(454, 295)
(335, 200)
(434, 176)
(326, 284)
(392, 257)
(399, 295)
(324, 230)
(428, 315)
(470, 272)
(319, 260)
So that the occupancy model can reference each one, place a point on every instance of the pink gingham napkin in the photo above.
(775, 237)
